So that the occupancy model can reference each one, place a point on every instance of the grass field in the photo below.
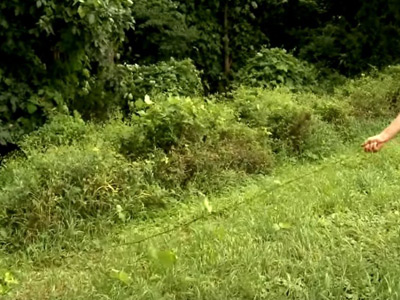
(334, 234)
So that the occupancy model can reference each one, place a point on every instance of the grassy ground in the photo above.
(333, 235)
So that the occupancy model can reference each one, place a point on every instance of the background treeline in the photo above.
(97, 55)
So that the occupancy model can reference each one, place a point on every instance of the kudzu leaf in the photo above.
(167, 258)
(32, 108)
(207, 205)
(121, 276)
(285, 225)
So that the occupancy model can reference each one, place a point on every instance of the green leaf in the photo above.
(81, 12)
(147, 100)
(167, 258)
(121, 276)
(32, 108)
(3, 290)
(9, 279)
(276, 227)
(207, 205)
(91, 18)
(3, 233)
(285, 225)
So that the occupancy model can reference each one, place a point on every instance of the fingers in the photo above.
(369, 141)
(372, 146)
(368, 147)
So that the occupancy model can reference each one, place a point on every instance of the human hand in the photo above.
(375, 143)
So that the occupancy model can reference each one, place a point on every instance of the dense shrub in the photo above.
(66, 188)
(287, 121)
(375, 95)
(171, 122)
(329, 108)
(238, 149)
(179, 78)
(80, 176)
(323, 140)
(271, 68)
(60, 130)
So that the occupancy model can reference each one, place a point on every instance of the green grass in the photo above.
(333, 235)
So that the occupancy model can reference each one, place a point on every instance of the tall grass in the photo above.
(78, 178)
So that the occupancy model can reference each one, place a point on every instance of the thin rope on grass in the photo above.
(230, 208)
(234, 207)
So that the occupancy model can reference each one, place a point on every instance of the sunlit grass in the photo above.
(333, 235)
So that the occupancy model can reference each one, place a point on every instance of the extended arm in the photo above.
(375, 143)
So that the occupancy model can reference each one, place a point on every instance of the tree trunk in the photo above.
(227, 55)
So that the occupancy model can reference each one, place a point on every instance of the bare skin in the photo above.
(376, 143)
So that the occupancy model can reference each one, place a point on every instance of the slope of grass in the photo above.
(333, 235)
(71, 208)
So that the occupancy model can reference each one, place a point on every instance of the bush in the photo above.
(50, 190)
(329, 108)
(60, 130)
(172, 122)
(239, 149)
(199, 138)
(323, 140)
(81, 177)
(179, 78)
(277, 112)
(74, 188)
(274, 67)
(376, 95)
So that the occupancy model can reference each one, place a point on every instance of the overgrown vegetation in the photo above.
(70, 54)
(334, 233)
(117, 112)
(271, 68)
(75, 177)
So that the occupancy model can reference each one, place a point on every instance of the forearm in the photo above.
(392, 130)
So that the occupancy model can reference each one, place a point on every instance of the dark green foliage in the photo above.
(229, 33)
(50, 50)
(59, 56)
(353, 35)
(134, 82)
(161, 32)
(271, 68)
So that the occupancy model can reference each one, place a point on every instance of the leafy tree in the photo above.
(161, 32)
(353, 35)
(49, 52)
(229, 35)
